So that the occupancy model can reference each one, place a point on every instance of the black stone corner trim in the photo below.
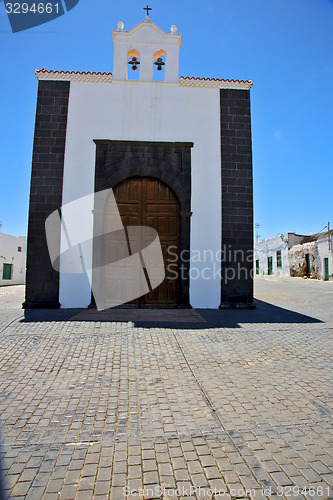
(42, 281)
(237, 305)
(169, 162)
(237, 200)
(40, 305)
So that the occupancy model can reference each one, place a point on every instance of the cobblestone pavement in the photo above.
(237, 405)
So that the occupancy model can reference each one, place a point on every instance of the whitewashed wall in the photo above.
(325, 251)
(268, 248)
(297, 259)
(149, 111)
(9, 254)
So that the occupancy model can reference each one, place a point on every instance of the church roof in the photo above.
(214, 83)
(86, 76)
(74, 76)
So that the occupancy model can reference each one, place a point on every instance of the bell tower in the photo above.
(142, 47)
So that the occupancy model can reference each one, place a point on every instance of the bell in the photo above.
(159, 63)
(134, 63)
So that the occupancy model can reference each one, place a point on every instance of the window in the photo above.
(278, 258)
(257, 266)
(19, 249)
(7, 271)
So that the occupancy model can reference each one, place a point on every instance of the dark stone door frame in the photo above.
(169, 162)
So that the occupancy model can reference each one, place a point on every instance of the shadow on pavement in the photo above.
(264, 313)
(200, 319)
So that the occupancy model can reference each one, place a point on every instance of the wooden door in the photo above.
(145, 201)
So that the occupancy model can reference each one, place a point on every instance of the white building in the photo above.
(12, 259)
(271, 256)
(296, 255)
(325, 251)
(173, 145)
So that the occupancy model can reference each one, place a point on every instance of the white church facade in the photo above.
(177, 154)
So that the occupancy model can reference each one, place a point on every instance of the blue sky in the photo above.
(284, 46)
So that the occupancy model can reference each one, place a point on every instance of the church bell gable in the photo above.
(146, 42)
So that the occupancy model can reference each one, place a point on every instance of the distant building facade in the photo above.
(292, 254)
(12, 259)
(325, 251)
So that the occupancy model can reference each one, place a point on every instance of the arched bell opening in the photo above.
(133, 65)
(159, 66)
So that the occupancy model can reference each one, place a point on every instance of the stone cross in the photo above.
(147, 9)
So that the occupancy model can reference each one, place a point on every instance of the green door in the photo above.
(7, 272)
(326, 269)
(270, 265)
(257, 266)
(308, 265)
